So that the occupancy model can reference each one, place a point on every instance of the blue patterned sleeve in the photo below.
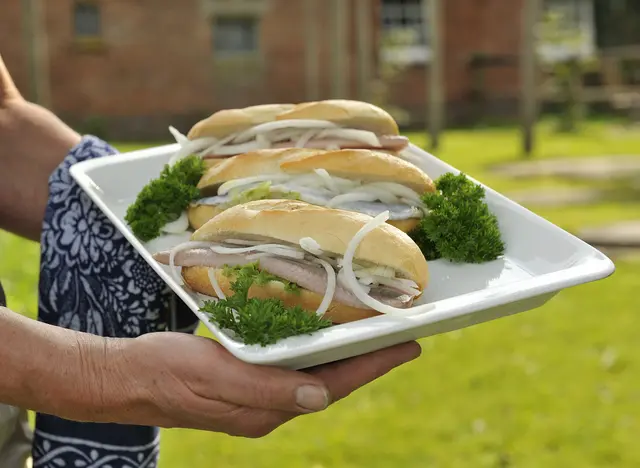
(92, 280)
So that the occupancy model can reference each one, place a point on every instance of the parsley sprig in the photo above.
(260, 321)
(164, 199)
(459, 226)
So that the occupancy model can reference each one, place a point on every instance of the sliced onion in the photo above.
(383, 195)
(230, 185)
(178, 226)
(263, 142)
(367, 280)
(343, 281)
(355, 266)
(395, 284)
(407, 283)
(305, 138)
(350, 276)
(351, 197)
(215, 284)
(286, 134)
(223, 142)
(285, 124)
(398, 189)
(310, 245)
(231, 150)
(307, 180)
(331, 287)
(241, 242)
(276, 249)
(361, 136)
(190, 147)
(327, 179)
(180, 138)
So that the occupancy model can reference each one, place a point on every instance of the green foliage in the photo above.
(164, 199)
(260, 321)
(459, 226)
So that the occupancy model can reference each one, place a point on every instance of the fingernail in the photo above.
(312, 398)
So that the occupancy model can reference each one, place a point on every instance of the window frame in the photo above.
(98, 12)
(225, 54)
(584, 21)
(416, 53)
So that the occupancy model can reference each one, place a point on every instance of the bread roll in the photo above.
(346, 113)
(288, 221)
(366, 165)
(228, 121)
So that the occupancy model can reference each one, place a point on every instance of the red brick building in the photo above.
(135, 66)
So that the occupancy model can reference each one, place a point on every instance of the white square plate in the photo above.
(541, 260)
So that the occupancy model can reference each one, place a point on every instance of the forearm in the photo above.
(34, 144)
(33, 141)
(60, 372)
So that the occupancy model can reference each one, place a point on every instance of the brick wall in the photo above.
(153, 61)
(156, 66)
(490, 27)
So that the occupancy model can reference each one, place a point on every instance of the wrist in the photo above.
(109, 375)
(76, 375)
(82, 377)
(63, 381)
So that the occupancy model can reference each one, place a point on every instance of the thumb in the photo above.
(7, 86)
(265, 387)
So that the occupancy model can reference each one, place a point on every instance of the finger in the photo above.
(7, 87)
(263, 387)
(343, 377)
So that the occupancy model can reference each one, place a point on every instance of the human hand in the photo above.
(182, 381)
(33, 141)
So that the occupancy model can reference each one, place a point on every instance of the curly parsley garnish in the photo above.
(459, 226)
(164, 199)
(260, 321)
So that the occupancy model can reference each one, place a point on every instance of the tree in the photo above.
(562, 49)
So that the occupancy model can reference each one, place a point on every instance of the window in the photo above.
(404, 32)
(86, 20)
(235, 36)
(567, 29)
(617, 23)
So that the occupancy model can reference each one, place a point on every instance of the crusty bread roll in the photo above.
(288, 221)
(228, 121)
(211, 162)
(350, 114)
(197, 279)
(361, 164)
(260, 162)
(346, 113)
(366, 165)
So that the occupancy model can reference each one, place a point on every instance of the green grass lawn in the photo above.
(558, 386)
